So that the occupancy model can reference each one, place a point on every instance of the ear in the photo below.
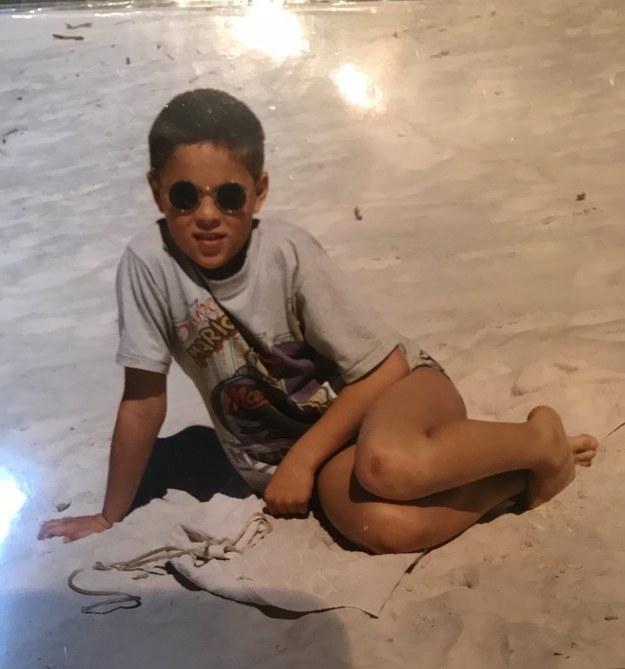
(156, 191)
(262, 190)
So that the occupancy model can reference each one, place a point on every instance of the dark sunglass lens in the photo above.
(184, 196)
(231, 196)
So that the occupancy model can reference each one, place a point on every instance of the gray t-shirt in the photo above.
(268, 348)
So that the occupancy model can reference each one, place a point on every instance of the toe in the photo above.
(583, 443)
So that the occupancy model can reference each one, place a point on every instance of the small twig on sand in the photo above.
(8, 133)
(74, 37)
(618, 427)
(12, 131)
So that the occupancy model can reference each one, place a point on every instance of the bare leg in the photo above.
(421, 472)
(416, 441)
(404, 527)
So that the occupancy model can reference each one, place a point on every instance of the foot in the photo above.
(561, 453)
(584, 448)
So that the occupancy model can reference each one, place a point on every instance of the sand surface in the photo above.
(483, 145)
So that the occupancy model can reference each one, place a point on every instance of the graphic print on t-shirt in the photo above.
(262, 401)
(208, 326)
(260, 408)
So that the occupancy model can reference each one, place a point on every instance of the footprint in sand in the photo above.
(543, 373)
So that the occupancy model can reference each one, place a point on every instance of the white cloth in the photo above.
(297, 566)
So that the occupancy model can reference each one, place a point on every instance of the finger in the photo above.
(59, 521)
(302, 508)
(47, 526)
(49, 531)
(51, 528)
(58, 528)
(270, 508)
(277, 507)
(284, 510)
(294, 509)
(69, 537)
(76, 534)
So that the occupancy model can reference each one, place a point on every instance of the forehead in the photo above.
(205, 162)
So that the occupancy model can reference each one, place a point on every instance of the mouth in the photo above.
(209, 236)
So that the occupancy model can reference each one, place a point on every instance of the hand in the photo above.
(74, 527)
(289, 490)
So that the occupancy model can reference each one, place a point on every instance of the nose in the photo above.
(207, 212)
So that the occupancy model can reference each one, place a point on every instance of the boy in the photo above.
(308, 391)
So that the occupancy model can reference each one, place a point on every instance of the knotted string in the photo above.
(205, 548)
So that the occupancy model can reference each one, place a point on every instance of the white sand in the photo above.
(493, 119)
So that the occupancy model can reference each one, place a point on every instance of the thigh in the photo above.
(383, 526)
(347, 507)
(416, 404)
(366, 521)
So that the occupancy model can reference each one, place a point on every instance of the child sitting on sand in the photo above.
(311, 395)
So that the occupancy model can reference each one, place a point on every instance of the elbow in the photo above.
(145, 395)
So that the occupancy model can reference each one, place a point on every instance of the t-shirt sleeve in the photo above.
(337, 320)
(145, 331)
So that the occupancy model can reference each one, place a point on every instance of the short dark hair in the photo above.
(208, 115)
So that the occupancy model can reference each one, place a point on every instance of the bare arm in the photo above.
(290, 488)
(139, 418)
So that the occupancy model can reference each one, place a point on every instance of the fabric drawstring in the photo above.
(206, 548)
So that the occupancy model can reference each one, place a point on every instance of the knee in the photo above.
(392, 470)
(393, 528)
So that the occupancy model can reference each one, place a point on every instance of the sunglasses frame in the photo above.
(212, 192)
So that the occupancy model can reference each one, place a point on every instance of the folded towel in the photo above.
(297, 566)
(229, 547)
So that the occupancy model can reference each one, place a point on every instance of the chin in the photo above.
(211, 263)
(206, 261)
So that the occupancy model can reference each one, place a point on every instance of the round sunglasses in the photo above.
(185, 196)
